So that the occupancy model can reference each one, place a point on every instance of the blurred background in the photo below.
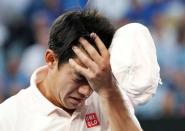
(24, 27)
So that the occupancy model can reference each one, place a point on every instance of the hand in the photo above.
(97, 70)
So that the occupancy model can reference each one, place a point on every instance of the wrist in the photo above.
(110, 93)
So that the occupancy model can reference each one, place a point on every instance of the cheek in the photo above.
(67, 89)
(65, 94)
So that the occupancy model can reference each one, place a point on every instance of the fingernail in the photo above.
(80, 38)
(93, 35)
(71, 61)
(74, 47)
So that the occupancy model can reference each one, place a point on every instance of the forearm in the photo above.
(117, 112)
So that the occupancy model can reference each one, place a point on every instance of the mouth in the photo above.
(76, 101)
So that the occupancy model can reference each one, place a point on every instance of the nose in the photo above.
(85, 90)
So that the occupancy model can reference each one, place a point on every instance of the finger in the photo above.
(78, 68)
(84, 59)
(103, 50)
(90, 50)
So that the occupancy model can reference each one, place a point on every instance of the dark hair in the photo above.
(67, 28)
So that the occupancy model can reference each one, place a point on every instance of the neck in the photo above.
(45, 88)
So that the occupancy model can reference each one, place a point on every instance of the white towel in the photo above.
(134, 62)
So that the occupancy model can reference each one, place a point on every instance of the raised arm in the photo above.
(97, 71)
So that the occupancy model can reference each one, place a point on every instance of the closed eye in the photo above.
(80, 79)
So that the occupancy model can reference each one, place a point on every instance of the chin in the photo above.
(70, 106)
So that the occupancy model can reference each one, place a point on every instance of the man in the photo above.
(75, 90)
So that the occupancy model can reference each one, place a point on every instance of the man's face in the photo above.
(69, 88)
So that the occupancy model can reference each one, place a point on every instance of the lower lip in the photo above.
(75, 101)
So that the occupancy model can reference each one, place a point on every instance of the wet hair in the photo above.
(69, 27)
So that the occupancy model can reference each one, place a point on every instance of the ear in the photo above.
(50, 58)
